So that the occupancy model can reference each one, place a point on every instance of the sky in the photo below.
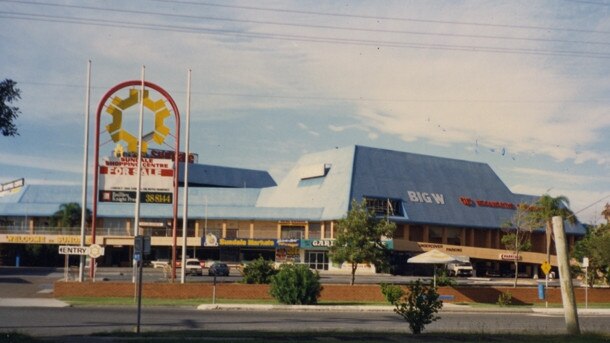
(519, 85)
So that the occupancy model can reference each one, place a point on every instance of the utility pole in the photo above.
(565, 279)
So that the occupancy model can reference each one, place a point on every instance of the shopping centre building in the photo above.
(235, 215)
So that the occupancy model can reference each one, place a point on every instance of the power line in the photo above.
(301, 38)
(331, 27)
(335, 14)
(327, 98)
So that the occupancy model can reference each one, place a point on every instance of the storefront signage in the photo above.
(510, 257)
(210, 240)
(41, 239)
(322, 243)
(430, 245)
(227, 242)
(439, 246)
(466, 201)
(427, 198)
(11, 187)
(289, 242)
(319, 244)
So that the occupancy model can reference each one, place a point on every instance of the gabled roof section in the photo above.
(205, 175)
(435, 190)
(318, 180)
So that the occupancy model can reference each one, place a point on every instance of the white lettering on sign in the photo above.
(73, 250)
(425, 197)
(322, 243)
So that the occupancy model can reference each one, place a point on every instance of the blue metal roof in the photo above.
(436, 190)
(431, 190)
(205, 175)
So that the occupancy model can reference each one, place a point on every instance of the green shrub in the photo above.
(505, 299)
(258, 271)
(418, 308)
(392, 293)
(442, 279)
(295, 285)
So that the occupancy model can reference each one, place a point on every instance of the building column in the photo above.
(251, 229)
(279, 231)
(224, 229)
(322, 230)
(463, 236)
(406, 232)
(128, 228)
(332, 230)
(307, 230)
(426, 234)
(444, 235)
(488, 239)
(197, 228)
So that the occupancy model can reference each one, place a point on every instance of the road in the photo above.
(54, 322)
(39, 281)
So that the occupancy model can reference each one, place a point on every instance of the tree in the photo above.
(359, 238)
(543, 211)
(8, 114)
(69, 215)
(606, 213)
(596, 246)
(258, 271)
(419, 306)
(519, 230)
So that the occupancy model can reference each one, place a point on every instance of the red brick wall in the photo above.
(341, 293)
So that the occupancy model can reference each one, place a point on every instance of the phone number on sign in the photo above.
(157, 198)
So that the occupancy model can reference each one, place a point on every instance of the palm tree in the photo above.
(547, 207)
(69, 215)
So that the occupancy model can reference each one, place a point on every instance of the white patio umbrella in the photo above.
(433, 257)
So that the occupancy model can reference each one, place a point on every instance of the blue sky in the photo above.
(520, 85)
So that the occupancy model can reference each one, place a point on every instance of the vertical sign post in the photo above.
(585, 264)
(141, 248)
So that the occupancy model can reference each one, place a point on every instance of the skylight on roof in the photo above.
(314, 170)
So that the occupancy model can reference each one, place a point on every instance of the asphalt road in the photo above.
(54, 322)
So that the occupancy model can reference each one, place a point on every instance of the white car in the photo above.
(193, 267)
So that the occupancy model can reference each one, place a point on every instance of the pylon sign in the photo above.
(118, 173)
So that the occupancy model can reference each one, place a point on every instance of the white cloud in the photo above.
(40, 162)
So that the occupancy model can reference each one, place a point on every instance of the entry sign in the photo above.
(546, 267)
(73, 250)
(93, 251)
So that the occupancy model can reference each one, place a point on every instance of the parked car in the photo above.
(219, 269)
(159, 263)
(193, 267)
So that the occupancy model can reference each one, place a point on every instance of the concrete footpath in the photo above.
(447, 307)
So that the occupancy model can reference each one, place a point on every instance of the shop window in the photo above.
(384, 206)
(416, 233)
(293, 232)
(232, 233)
(454, 236)
(435, 235)
(315, 231)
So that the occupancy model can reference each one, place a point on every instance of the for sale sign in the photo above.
(119, 180)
